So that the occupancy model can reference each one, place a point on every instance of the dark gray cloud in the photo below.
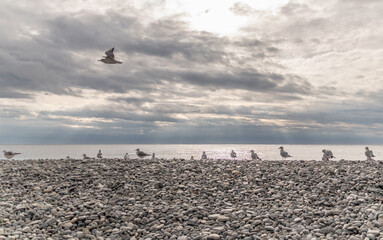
(289, 77)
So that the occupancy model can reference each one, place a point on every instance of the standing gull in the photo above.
(86, 157)
(233, 154)
(254, 156)
(203, 157)
(9, 154)
(283, 153)
(109, 58)
(99, 154)
(126, 157)
(369, 154)
(141, 154)
(327, 155)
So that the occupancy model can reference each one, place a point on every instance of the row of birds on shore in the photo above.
(327, 154)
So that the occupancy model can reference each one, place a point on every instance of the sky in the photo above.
(272, 71)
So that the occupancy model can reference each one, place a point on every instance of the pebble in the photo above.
(213, 237)
(172, 199)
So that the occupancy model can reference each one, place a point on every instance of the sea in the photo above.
(185, 151)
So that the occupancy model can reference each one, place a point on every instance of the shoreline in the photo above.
(191, 199)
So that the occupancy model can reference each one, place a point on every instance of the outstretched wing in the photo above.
(109, 53)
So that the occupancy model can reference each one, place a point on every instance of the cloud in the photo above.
(292, 74)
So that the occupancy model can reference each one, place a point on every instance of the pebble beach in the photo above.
(182, 200)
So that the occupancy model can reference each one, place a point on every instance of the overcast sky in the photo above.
(271, 71)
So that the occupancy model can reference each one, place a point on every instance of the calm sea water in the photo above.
(214, 151)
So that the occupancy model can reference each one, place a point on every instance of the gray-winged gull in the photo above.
(99, 154)
(369, 154)
(141, 154)
(233, 154)
(254, 156)
(327, 155)
(203, 157)
(9, 154)
(283, 153)
(109, 58)
(86, 157)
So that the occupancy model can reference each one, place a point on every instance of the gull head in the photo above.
(366, 148)
(281, 147)
(252, 151)
(324, 150)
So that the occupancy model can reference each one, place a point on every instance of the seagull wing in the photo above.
(110, 53)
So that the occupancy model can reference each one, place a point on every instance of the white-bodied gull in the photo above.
(203, 157)
(369, 154)
(109, 58)
(126, 157)
(254, 156)
(141, 154)
(283, 153)
(233, 154)
(10, 154)
(327, 155)
(99, 154)
(86, 157)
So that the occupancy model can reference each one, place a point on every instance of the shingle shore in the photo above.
(174, 199)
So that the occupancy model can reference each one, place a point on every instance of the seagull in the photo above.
(192, 158)
(141, 154)
(109, 58)
(233, 154)
(153, 156)
(369, 154)
(99, 154)
(86, 157)
(254, 156)
(283, 153)
(327, 155)
(203, 157)
(126, 157)
(9, 154)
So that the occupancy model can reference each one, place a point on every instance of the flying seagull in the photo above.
(9, 154)
(109, 58)
(283, 153)
(141, 154)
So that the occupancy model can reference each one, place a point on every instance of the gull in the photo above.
(254, 156)
(109, 58)
(283, 153)
(327, 155)
(99, 154)
(192, 158)
(86, 157)
(9, 154)
(233, 154)
(126, 157)
(141, 154)
(153, 156)
(203, 157)
(369, 154)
